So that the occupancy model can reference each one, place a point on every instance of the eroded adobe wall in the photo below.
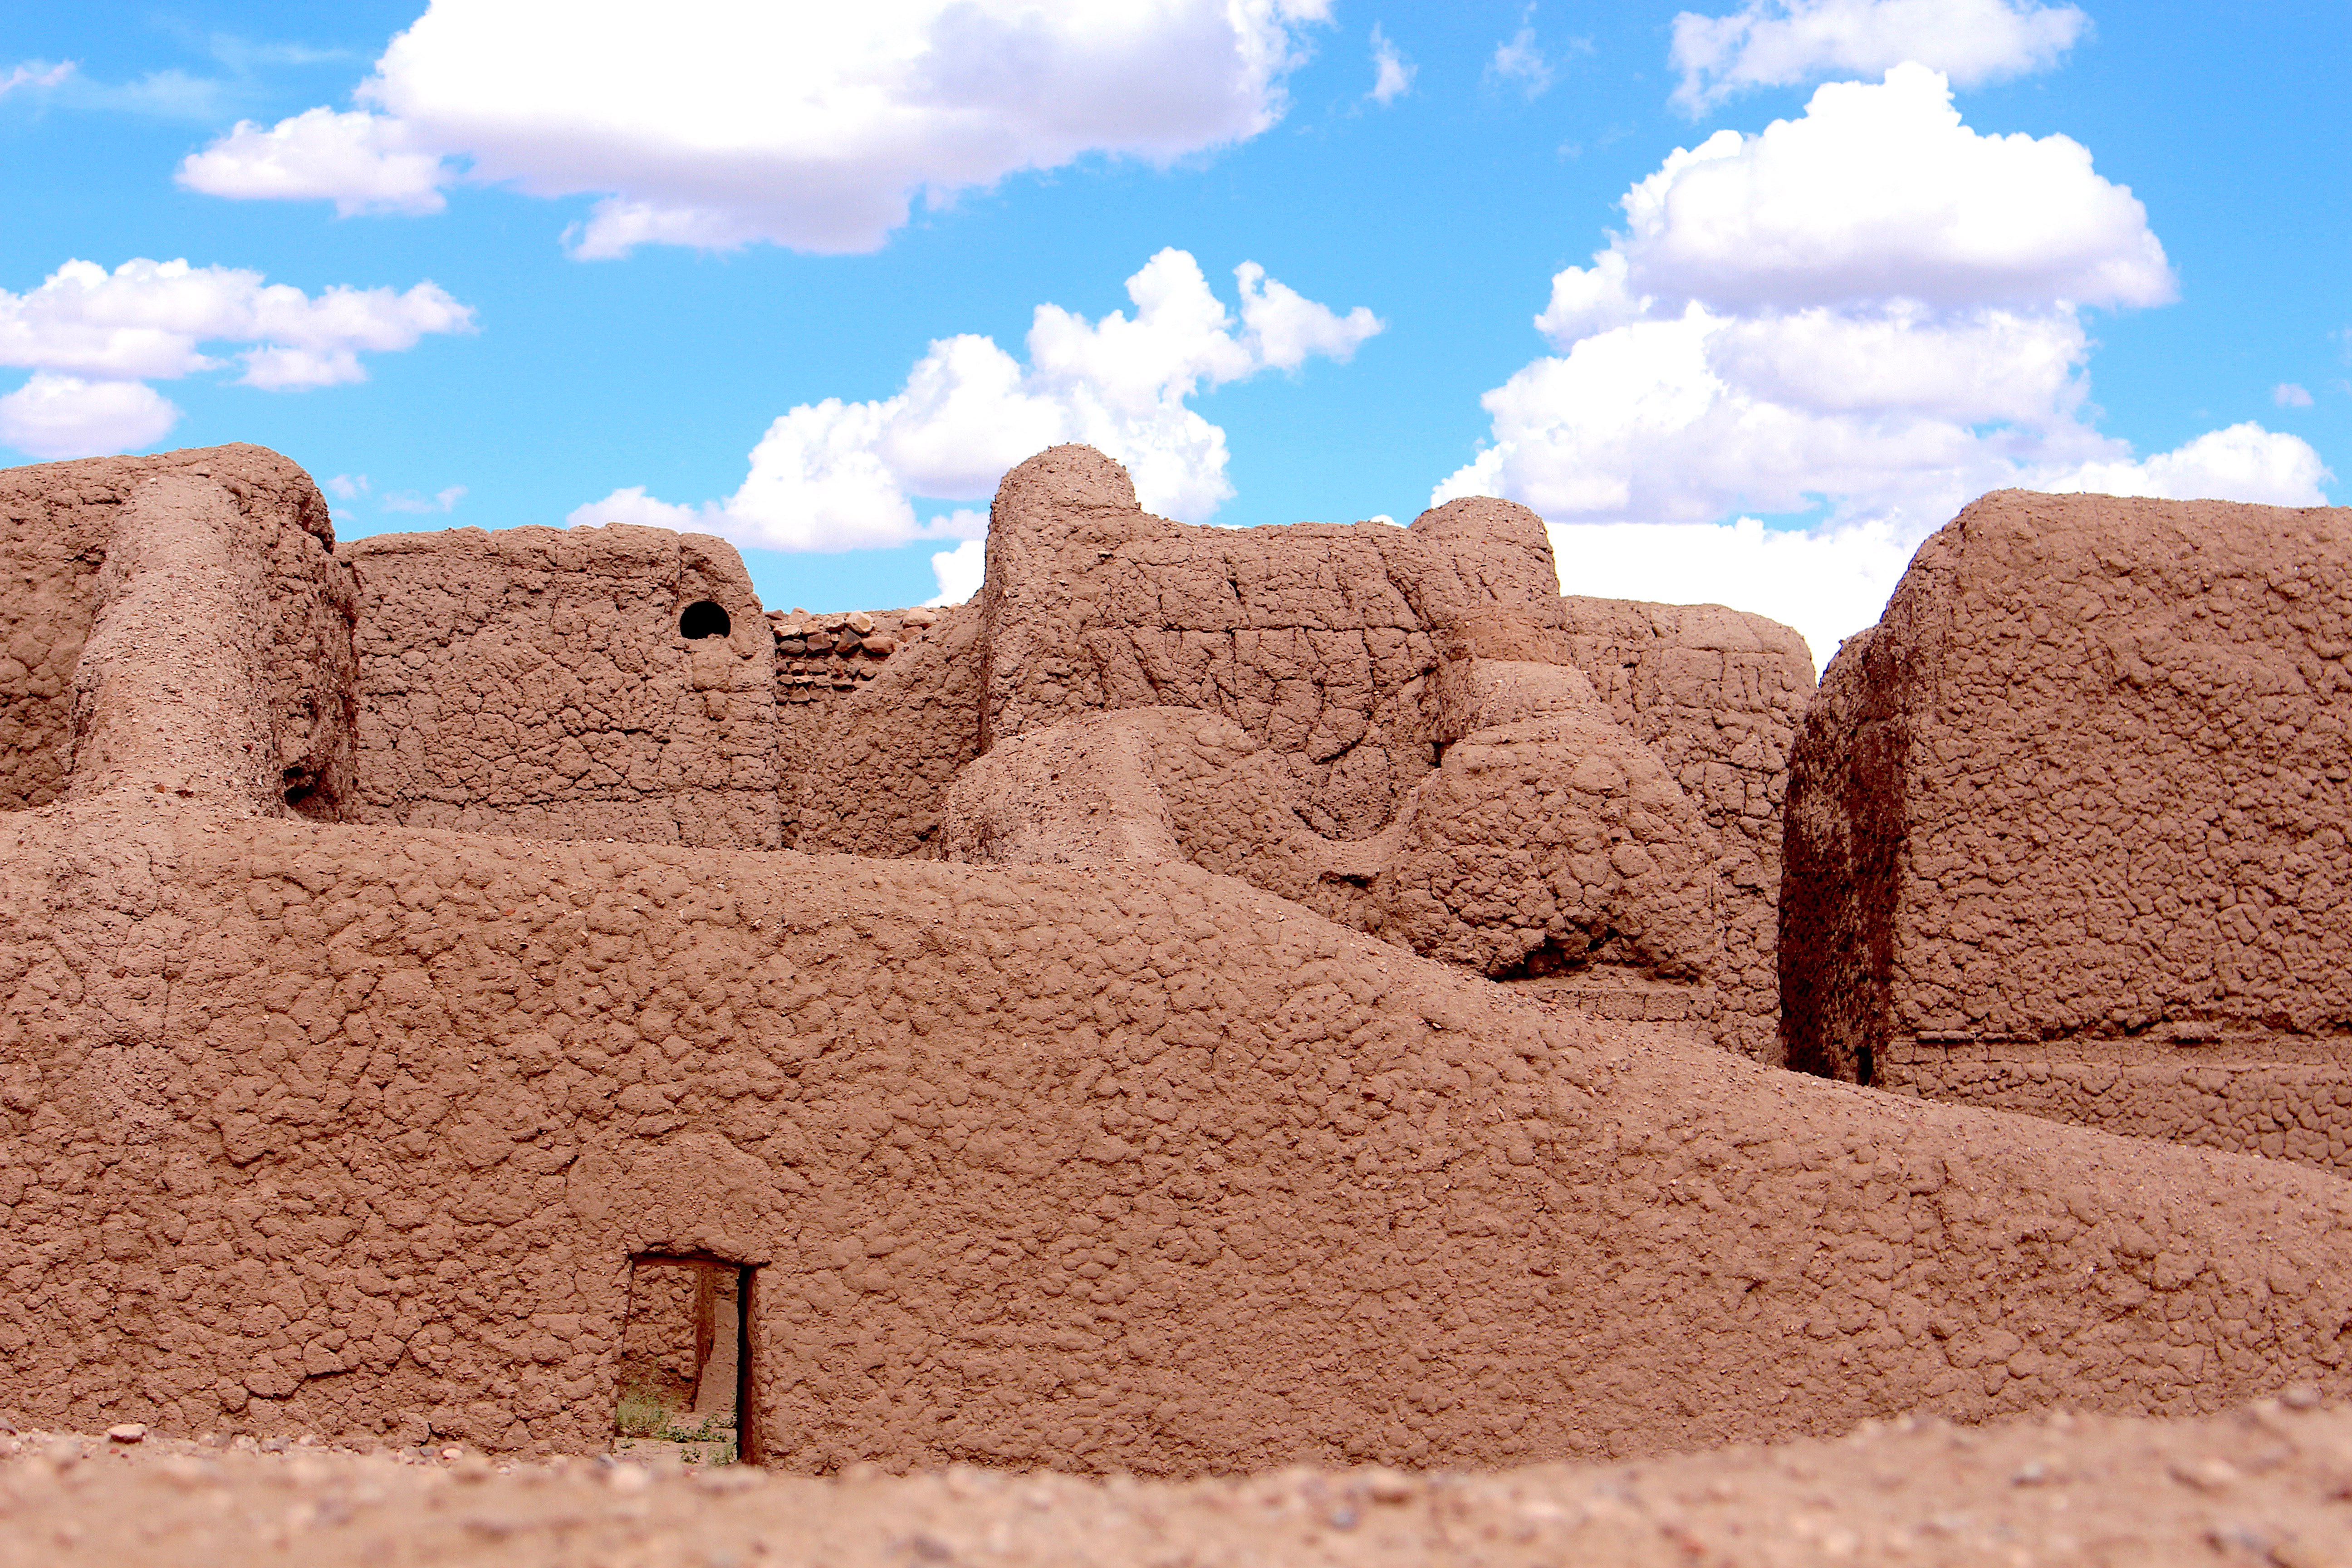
(353, 1129)
(868, 774)
(2086, 780)
(1308, 636)
(1720, 694)
(1325, 646)
(1550, 849)
(224, 664)
(56, 542)
(535, 682)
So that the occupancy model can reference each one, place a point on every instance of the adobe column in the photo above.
(169, 693)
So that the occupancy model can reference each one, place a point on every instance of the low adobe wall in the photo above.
(2280, 1097)
(355, 1130)
(542, 682)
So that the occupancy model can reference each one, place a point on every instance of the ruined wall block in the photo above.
(177, 621)
(2083, 786)
(1310, 637)
(592, 682)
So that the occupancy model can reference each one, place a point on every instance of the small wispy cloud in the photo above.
(348, 486)
(408, 500)
(1392, 74)
(246, 56)
(168, 94)
(1783, 43)
(174, 93)
(2287, 395)
(35, 74)
(1520, 62)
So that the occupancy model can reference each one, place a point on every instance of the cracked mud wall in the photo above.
(1719, 693)
(1308, 636)
(2065, 830)
(355, 1130)
(869, 774)
(1325, 645)
(535, 682)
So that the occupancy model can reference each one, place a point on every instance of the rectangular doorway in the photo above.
(686, 1361)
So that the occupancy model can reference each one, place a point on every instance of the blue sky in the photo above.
(587, 264)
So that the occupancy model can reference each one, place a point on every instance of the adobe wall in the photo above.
(665, 1332)
(1719, 693)
(2064, 830)
(1308, 636)
(1324, 644)
(536, 682)
(177, 620)
(2244, 1098)
(1548, 848)
(353, 1129)
(868, 773)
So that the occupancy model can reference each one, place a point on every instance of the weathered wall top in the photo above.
(176, 622)
(1305, 634)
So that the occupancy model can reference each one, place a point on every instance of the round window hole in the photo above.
(703, 618)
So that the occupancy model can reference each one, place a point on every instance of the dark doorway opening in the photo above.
(686, 1361)
(703, 618)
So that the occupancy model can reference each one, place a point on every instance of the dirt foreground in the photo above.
(2269, 1483)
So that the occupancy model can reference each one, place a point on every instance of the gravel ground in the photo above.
(2268, 1484)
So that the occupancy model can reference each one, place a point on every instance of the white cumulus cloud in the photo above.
(960, 571)
(2244, 462)
(838, 475)
(719, 122)
(1879, 190)
(1827, 583)
(149, 321)
(56, 415)
(359, 160)
(93, 337)
(1871, 315)
(1785, 43)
